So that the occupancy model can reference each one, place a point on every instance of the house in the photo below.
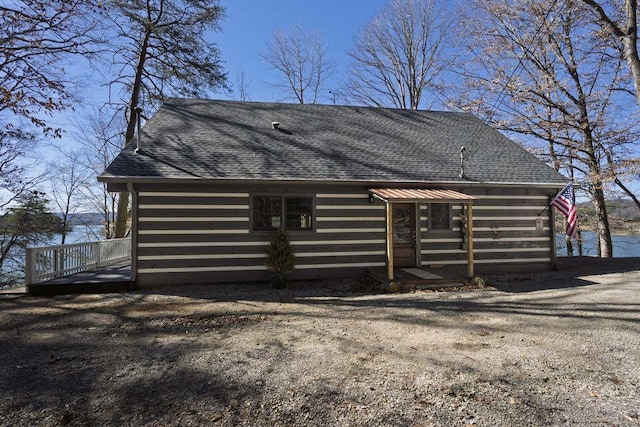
(356, 188)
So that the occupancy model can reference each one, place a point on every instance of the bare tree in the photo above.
(546, 77)
(300, 58)
(620, 24)
(37, 37)
(15, 179)
(159, 48)
(68, 177)
(242, 86)
(400, 54)
(101, 133)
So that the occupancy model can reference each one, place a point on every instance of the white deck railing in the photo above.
(50, 262)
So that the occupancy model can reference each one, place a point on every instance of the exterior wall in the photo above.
(505, 236)
(202, 234)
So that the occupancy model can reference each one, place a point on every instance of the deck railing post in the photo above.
(30, 266)
(60, 256)
(98, 254)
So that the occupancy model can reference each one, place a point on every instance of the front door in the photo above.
(404, 234)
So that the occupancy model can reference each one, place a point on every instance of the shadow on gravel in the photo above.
(112, 376)
(132, 359)
(570, 274)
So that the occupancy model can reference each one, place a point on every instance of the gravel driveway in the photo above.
(552, 349)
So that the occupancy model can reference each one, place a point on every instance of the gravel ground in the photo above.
(558, 348)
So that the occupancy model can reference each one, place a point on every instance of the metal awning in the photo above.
(420, 195)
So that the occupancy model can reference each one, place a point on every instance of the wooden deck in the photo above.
(117, 278)
(113, 278)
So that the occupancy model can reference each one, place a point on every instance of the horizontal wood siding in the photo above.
(350, 233)
(504, 224)
(193, 234)
(203, 233)
(188, 232)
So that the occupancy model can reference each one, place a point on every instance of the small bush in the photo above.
(280, 258)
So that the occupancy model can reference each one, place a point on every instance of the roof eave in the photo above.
(191, 180)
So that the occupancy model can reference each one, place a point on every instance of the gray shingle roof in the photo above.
(209, 139)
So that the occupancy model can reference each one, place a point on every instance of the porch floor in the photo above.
(422, 277)
(112, 278)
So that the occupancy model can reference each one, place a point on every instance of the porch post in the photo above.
(469, 239)
(389, 241)
(554, 257)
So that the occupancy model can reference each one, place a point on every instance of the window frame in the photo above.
(283, 212)
(253, 211)
(430, 218)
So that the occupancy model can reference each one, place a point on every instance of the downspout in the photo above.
(134, 232)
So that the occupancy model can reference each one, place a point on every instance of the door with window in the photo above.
(403, 216)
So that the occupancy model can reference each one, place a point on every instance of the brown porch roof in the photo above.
(419, 195)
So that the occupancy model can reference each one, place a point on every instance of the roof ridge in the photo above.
(183, 100)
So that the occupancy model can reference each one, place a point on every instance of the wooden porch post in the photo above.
(470, 272)
(389, 241)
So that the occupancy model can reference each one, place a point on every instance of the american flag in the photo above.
(565, 201)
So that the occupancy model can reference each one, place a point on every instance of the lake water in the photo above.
(623, 246)
(80, 234)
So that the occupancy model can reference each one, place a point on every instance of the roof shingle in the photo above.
(207, 139)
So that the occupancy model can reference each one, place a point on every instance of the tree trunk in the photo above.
(122, 216)
(628, 36)
(631, 55)
(605, 247)
(123, 197)
(580, 248)
(630, 44)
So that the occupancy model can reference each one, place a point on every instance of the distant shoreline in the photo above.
(616, 232)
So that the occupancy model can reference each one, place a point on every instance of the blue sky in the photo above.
(249, 24)
(245, 31)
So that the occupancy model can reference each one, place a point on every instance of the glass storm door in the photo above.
(404, 234)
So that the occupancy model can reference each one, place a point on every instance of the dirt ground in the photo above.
(559, 348)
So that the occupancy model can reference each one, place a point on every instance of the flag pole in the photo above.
(566, 203)
(546, 207)
(551, 201)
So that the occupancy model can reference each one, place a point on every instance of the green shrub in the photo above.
(280, 258)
